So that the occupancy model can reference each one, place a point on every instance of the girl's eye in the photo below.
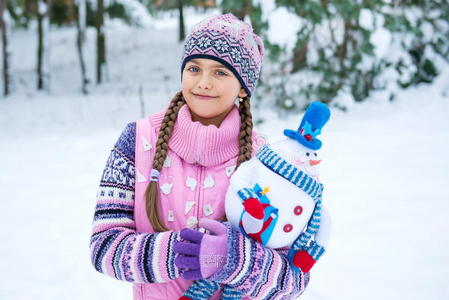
(196, 69)
(221, 73)
(192, 69)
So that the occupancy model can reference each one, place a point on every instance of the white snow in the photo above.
(42, 7)
(82, 14)
(366, 19)
(385, 169)
(282, 26)
(381, 39)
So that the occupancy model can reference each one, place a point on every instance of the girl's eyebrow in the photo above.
(215, 65)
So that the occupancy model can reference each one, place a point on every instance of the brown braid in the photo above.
(245, 136)
(152, 191)
(246, 131)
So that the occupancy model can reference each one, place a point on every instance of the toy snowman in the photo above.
(275, 198)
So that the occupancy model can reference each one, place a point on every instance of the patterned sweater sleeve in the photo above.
(116, 248)
(259, 272)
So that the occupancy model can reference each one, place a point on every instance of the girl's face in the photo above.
(209, 89)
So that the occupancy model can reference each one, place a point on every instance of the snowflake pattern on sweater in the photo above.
(116, 248)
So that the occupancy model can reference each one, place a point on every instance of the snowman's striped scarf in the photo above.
(299, 178)
(310, 186)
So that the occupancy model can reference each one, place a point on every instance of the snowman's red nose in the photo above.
(314, 162)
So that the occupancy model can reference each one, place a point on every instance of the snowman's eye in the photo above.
(315, 154)
(308, 154)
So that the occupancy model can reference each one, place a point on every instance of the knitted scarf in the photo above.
(310, 186)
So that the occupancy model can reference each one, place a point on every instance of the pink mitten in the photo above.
(201, 254)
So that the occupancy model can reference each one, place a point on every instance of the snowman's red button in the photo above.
(298, 210)
(288, 228)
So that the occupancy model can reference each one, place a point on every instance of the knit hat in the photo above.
(229, 41)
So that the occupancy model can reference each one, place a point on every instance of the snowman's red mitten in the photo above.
(305, 259)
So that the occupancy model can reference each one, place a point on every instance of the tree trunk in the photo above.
(101, 45)
(300, 57)
(5, 25)
(80, 41)
(182, 29)
(43, 55)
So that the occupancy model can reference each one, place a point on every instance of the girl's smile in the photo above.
(204, 97)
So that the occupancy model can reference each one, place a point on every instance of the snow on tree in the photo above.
(324, 50)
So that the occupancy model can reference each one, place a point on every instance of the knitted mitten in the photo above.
(201, 254)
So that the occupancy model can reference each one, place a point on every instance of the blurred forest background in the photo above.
(74, 73)
(333, 51)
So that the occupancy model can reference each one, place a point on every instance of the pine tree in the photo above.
(335, 53)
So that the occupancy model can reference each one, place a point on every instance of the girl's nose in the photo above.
(204, 82)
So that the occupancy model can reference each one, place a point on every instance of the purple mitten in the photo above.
(201, 254)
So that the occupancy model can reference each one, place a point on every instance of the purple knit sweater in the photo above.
(119, 251)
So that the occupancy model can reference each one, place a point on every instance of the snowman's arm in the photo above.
(323, 234)
(306, 258)
(317, 247)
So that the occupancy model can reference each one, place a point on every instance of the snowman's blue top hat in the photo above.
(317, 114)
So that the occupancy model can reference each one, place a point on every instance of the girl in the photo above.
(171, 171)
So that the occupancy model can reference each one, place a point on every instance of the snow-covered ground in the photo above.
(385, 169)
